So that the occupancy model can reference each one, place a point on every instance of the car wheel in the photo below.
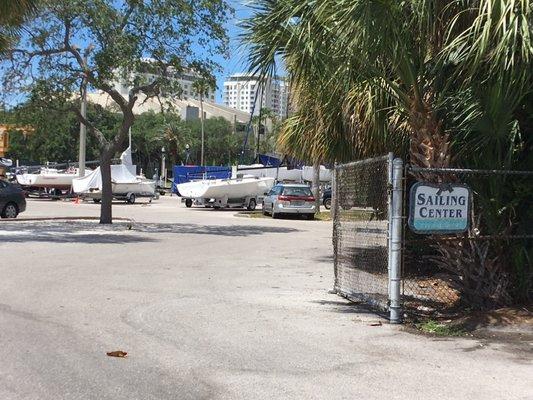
(10, 211)
(188, 203)
(275, 215)
(251, 205)
(131, 198)
(327, 204)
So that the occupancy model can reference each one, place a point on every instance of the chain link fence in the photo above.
(487, 266)
(360, 230)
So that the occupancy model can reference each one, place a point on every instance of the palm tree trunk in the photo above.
(430, 145)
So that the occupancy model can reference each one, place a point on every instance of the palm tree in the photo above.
(202, 87)
(12, 15)
(444, 82)
(372, 76)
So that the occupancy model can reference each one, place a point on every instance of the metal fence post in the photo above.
(389, 209)
(395, 242)
(334, 212)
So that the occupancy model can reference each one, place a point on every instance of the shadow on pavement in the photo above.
(346, 307)
(121, 232)
(223, 230)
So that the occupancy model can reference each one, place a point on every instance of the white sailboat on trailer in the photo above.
(48, 178)
(124, 183)
(243, 191)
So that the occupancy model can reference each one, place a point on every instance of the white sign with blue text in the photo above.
(439, 208)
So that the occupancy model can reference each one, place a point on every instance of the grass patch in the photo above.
(440, 329)
(323, 216)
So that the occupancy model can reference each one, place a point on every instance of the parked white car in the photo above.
(289, 199)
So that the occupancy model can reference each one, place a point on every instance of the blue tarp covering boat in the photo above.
(187, 173)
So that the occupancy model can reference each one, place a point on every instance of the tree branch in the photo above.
(126, 17)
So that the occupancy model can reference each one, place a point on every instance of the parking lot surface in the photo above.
(209, 305)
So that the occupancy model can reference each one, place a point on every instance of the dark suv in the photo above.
(326, 198)
(12, 200)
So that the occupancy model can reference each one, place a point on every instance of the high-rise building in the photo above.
(241, 90)
(185, 79)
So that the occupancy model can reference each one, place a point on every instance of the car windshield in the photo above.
(297, 191)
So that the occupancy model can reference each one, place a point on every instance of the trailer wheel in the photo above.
(97, 200)
(251, 205)
(188, 203)
(131, 198)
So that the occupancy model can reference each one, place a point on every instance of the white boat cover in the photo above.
(281, 173)
(93, 181)
(127, 161)
(122, 173)
(325, 174)
(5, 162)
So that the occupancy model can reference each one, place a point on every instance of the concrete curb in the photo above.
(63, 219)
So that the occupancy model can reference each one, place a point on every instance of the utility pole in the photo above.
(83, 112)
(260, 122)
(202, 123)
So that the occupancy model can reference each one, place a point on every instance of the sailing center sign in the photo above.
(439, 208)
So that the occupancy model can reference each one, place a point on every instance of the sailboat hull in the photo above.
(226, 188)
(47, 180)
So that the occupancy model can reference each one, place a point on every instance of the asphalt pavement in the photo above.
(209, 305)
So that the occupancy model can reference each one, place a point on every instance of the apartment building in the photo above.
(241, 91)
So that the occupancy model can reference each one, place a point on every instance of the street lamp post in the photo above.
(163, 166)
(83, 112)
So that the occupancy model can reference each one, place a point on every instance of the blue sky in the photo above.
(237, 55)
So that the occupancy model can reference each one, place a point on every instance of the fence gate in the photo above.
(361, 213)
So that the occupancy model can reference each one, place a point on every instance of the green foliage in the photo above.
(51, 133)
(440, 329)
(13, 14)
(153, 131)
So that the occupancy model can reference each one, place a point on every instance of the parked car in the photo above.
(326, 198)
(289, 199)
(12, 200)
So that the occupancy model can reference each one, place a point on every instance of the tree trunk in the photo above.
(316, 185)
(430, 145)
(106, 214)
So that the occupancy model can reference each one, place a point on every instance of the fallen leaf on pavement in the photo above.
(118, 353)
(375, 324)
